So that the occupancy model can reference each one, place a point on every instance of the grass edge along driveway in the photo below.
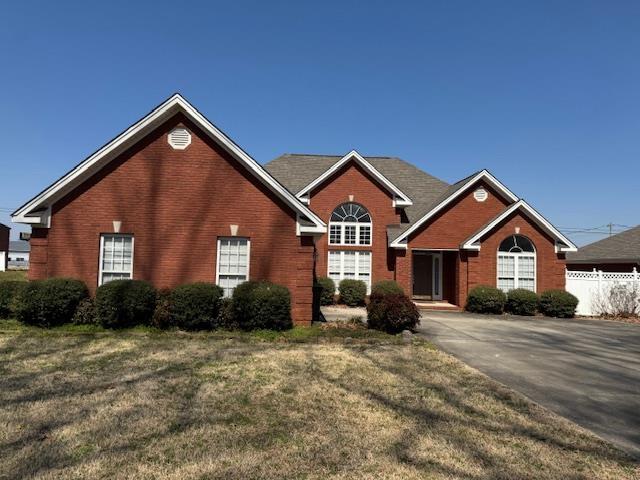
(144, 404)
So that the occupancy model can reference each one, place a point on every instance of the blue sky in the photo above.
(546, 95)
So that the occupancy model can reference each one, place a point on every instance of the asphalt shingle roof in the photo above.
(296, 171)
(19, 246)
(620, 247)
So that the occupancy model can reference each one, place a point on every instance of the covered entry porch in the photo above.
(434, 276)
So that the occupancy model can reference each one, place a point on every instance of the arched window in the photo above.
(516, 264)
(350, 224)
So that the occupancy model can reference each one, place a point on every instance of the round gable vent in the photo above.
(179, 138)
(480, 195)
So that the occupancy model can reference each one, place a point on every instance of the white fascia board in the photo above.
(483, 175)
(473, 242)
(136, 131)
(400, 199)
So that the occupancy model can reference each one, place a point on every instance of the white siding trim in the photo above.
(472, 243)
(400, 199)
(174, 104)
(484, 174)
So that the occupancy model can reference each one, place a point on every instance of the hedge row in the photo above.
(551, 303)
(353, 292)
(126, 303)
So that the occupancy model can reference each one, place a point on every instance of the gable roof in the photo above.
(19, 246)
(38, 209)
(448, 196)
(563, 244)
(296, 171)
(619, 248)
(400, 199)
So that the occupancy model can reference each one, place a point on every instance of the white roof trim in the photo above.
(100, 158)
(484, 174)
(400, 199)
(473, 242)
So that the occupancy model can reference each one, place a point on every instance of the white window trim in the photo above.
(101, 256)
(218, 257)
(516, 276)
(352, 224)
(357, 260)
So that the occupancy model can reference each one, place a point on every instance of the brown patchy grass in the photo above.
(13, 275)
(191, 406)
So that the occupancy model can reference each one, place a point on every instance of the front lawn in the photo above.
(146, 404)
(13, 275)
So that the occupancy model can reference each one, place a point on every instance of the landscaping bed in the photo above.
(334, 401)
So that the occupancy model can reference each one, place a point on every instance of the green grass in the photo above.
(315, 333)
(13, 275)
(147, 404)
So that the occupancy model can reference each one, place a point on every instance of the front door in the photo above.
(427, 275)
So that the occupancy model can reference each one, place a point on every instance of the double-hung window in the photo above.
(516, 264)
(116, 257)
(233, 263)
(350, 264)
(350, 224)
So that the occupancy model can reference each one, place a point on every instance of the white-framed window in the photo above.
(350, 224)
(116, 257)
(516, 264)
(232, 263)
(351, 264)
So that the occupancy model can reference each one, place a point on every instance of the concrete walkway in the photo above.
(585, 370)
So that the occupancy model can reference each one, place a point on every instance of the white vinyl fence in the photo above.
(594, 288)
(3, 261)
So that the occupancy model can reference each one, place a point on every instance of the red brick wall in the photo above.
(4, 242)
(176, 203)
(468, 269)
(447, 230)
(353, 180)
(481, 267)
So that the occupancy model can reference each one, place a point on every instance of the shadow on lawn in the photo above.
(67, 382)
(447, 426)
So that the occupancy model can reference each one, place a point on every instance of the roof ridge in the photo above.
(332, 155)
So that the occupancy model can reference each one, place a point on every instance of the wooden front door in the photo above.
(427, 275)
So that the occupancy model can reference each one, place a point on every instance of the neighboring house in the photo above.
(618, 253)
(19, 254)
(4, 246)
(390, 220)
(173, 200)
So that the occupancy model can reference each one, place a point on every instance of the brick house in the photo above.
(617, 253)
(173, 200)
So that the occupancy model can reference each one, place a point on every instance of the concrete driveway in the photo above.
(585, 370)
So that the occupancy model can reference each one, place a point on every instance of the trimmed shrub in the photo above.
(125, 303)
(327, 296)
(352, 292)
(51, 302)
(485, 299)
(195, 306)
(557, 303)
(387, 287)
(9, 293)
(85, 313)
(392, 313)
(521, 302)
(262, 304)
